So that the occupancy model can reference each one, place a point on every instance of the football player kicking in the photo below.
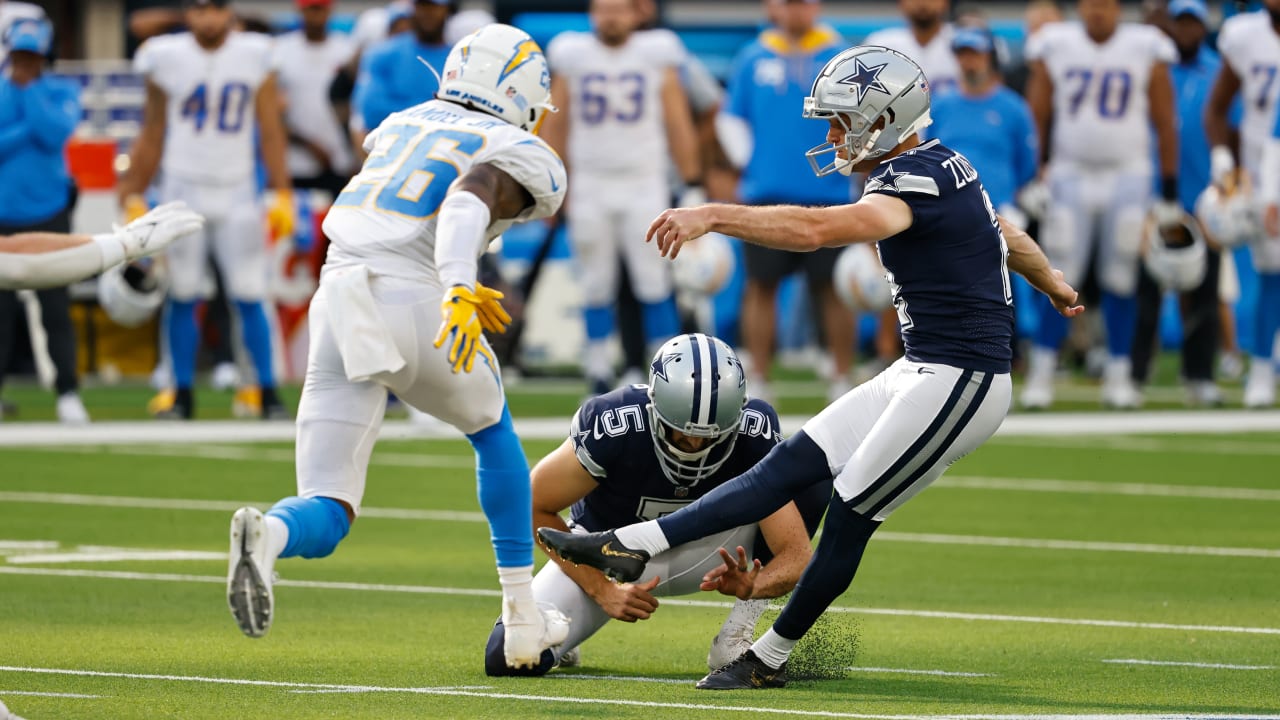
(946, 254)
(643, 451)
(441, 180)
(40, 260)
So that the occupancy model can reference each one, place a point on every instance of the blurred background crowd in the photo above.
(724, 81)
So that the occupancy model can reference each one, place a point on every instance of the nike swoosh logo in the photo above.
(595, 430)
(555, 186)
(608, 551)
(924, 371)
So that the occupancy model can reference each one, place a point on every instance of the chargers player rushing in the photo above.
(624, 112)
(1103, 85)
(946, 254)
(644, 451)
(1250, 48)
(209, 92)
(441, 180)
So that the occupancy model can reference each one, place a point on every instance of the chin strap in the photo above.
(845, 167)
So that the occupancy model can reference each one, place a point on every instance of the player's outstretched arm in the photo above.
(784, 531)
(559, 481)
(1026, 259)
(784, 227)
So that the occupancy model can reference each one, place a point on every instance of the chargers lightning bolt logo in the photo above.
(524, 52)
(865, 79)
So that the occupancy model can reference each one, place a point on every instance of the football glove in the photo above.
(1034, 199)
(158, 229)
(493, 317)
(280, 216)
(462, 327)
(135, 206)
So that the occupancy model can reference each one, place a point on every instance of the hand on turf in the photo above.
(158, 229)
(628, 602)
(1064, 297)
(677, 226)
(735, 577)
(461, 327)
(493, 317)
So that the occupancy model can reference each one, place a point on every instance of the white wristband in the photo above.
(112, 249)
(1221, 162)
(460, 229)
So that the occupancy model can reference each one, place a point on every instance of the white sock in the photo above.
(773, 649)
(517, 584)
(745, 614)
(277, 535)
(1043, 362)
(645, 536)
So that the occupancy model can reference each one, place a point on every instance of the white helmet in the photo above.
(705, 265)
(859, 280)
(1174, 254)
(859, 86)
(130, 293)
(1229, 216)
(499, 70)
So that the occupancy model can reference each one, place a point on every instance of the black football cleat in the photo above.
(601, 551)
(748, 672)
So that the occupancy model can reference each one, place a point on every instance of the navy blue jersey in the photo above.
(949, 271)
(612, 441)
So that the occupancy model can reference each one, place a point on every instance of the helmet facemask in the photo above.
(688, 468)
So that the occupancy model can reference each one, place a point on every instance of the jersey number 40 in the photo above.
(232, 101)
(410, 170)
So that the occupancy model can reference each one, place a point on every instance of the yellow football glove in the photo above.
(280, 216)
(135, 206)
(461, 326)
(493, 317)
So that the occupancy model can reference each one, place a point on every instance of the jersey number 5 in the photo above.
(232, 103)
(410, 170)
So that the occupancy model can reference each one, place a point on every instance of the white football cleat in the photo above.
(571, 658)
(226, 376)
(1260, 386)
(71, 412)
(1037, 393)
(249, 573)
(736, 633)
(1118, 390)
(529, 629)
(1203, 393)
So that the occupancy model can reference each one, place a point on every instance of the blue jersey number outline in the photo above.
(422, 170)
(1264, 94)
(1114, 88)
(595, 103)
(232, 103)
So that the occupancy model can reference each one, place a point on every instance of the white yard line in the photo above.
(626, 678)
(1164, 445)
(476, 517)
(232, 431)
(1171, 663)
(913, 671)
(751, 709)
(1093, 487)
(479, 592)
(32, 693)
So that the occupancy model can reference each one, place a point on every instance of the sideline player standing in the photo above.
(1250, 48)
(947, 255)
(209, 92)
(442, 179)
(643, 451)
(926, 40)
(623, 114)
(1103, 85)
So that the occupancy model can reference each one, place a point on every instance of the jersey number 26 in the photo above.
(410, 170)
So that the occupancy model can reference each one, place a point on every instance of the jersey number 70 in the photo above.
(410, 170)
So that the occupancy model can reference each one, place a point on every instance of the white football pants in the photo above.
(338, 420)
(235, 234)
(608, 219)
(890, 437)
(1099, 214)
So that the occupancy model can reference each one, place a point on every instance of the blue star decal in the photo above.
(864, 79)
(659, 366)
(889, 179)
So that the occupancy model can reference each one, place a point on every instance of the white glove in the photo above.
(158, 229)
(1166, 213)
(1014, 215)
(1221, 164)
(692, 196)
(1034, 199)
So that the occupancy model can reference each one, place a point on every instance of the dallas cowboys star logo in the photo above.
(889, 180)
(865, 79)
(659, 366)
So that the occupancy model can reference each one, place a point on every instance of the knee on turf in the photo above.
(495, 660)
(316, 525)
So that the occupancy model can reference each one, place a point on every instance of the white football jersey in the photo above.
(936, 58)
(1100, 103)
(615, 116)
(306, 70)
(1252, 48)
(210, 121)
(386, 216)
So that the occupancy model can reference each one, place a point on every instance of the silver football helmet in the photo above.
(697, 388)
(858, 87)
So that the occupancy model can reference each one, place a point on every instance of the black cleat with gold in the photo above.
(748, 672)
(599, 550)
